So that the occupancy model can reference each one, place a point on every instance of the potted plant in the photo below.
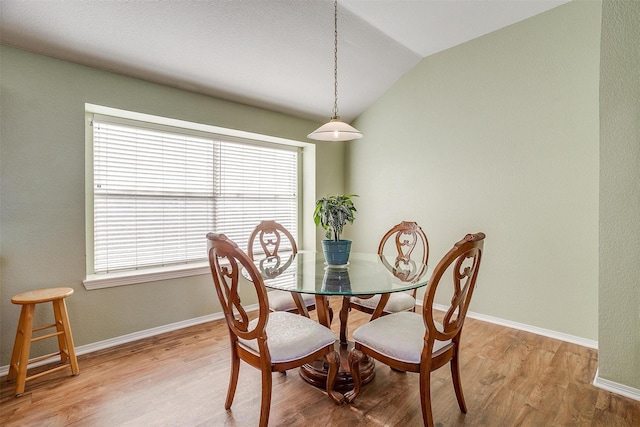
(332, 213)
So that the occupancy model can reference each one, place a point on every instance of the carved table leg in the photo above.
(316, 373)
(333, 359)
(355, 357)
(344, 318)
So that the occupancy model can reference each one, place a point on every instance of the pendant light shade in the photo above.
(335, 129)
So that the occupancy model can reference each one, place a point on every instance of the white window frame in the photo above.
(306, 178)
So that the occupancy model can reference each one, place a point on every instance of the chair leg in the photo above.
(301, 308)
(355, 357)
(265, 405)
(457, 384)
(333, 359)
(322, 310)
(425, 396)
(233, 378)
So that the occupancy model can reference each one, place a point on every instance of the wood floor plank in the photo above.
(509, 378)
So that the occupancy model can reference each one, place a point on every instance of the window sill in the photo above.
(110, 280)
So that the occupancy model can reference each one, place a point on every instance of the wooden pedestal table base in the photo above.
(316, 373)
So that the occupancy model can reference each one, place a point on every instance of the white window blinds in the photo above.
(158, 192)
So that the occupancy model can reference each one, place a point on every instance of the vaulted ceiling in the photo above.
(274, 54)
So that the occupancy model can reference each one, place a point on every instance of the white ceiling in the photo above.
(275, 54)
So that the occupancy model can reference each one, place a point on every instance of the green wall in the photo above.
(498, 135)
(619, 298)
(532, 135)
(42, 203)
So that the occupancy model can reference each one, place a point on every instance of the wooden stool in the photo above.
(20, 356)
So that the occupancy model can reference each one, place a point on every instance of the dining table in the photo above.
(365, 275)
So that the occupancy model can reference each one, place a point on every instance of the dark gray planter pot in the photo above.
(336, 253)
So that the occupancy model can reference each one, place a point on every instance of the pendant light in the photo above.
(335, 129)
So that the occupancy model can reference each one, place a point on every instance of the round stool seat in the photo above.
(41, 295)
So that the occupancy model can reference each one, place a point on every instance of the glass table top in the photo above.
(365, 274)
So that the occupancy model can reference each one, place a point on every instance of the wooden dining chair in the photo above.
(407, 244)
(267, 240)
(271, 342)
(419, 342)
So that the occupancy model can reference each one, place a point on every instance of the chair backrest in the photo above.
(227, 261)
(463, 261)
(268, 236)
(405, 238)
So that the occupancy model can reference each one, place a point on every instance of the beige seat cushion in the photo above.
(398, 336)
(398, 301)
(283, 301)
(291, 336)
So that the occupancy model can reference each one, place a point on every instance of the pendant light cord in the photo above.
(335, 129)
(335, 58)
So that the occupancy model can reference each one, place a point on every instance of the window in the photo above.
(158, 190)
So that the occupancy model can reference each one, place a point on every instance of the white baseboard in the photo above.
(123, 339)
(527, 328)
(614, 387)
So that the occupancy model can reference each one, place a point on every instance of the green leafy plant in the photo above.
(333, 212)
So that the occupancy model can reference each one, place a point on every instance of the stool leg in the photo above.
(62, 344)
(65, 340)
(17, 345)
(22, 346)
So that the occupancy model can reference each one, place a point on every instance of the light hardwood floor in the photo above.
(510, 378)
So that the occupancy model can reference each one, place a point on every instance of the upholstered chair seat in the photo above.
(282, 301)
(399, 336)
(291, 336)
(398, 301)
